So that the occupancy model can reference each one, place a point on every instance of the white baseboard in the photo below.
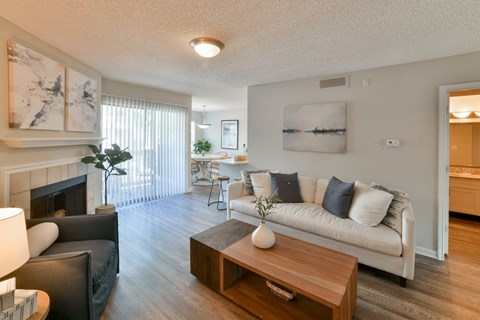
(426, 252)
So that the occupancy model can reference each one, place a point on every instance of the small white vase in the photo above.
(263, 237)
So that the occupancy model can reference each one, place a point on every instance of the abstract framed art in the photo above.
(315, 127)
(230, 134)
(36, 89)
(81, 102)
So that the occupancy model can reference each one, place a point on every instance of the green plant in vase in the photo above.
(108, 162)
(202, 146)
(265, 205)
(263, 237)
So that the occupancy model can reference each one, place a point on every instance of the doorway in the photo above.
(445, 93)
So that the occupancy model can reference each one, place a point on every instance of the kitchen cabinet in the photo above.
(465, 195)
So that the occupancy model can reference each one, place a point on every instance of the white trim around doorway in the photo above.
(444, 162)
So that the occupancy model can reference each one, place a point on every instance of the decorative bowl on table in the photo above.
(281, 291)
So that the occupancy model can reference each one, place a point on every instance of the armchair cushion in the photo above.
(40, 237)
(102, 252)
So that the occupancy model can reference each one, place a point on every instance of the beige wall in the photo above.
(11, 156)
(400, 102)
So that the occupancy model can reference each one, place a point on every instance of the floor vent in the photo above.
(334, 82)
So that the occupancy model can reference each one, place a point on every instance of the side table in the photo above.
(205, 249)
(43, 306)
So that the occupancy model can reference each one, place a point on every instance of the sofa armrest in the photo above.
(66, 278)
(234, 191)
(83, 227)
(408, 242)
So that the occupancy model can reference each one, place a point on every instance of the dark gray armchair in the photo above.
(79, 269)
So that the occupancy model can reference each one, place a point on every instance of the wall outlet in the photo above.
(395, 143)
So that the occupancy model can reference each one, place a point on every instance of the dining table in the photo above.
(203, 161)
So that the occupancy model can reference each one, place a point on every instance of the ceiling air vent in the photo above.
(334, 82)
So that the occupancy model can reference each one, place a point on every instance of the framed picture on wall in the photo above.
(36, 89)
(81, 103)
(230, 134)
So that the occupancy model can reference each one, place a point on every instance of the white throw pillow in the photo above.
(320, 190)
(307, 188)
(41, 236)
(262, 184)
(369, 205)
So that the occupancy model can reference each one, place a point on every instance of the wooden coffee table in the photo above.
(325, 280)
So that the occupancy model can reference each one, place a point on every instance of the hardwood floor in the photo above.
(155, 280)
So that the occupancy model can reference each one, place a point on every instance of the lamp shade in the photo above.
(14, 250)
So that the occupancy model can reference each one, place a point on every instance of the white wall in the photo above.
(213, 134)
(400, 102)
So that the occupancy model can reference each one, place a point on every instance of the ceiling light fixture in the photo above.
(203, 125)
(207, 47)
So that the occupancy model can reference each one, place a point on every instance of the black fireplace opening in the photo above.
(65, 198)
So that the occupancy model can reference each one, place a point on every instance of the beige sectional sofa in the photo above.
(378, 246)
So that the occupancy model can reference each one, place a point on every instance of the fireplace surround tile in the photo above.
(72, 170)
(22, 179)
(39, 178)
(54, 174)
(19, 182)
(64, 170)
(21, 200)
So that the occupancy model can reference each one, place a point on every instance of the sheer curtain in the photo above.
(156, 135)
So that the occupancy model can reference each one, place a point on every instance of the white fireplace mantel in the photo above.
(47, 142)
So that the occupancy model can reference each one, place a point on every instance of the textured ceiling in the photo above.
(146, 42)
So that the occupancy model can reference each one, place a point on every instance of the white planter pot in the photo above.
(263, 237)
(105, 208)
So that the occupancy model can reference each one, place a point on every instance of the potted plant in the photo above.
(107, 161)
(202, 146)
(263, 237)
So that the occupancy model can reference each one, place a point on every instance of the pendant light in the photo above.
(203, 125)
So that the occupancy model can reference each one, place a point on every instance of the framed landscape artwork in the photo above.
(81, 102)
(36, 89)
(315, 127)
(230, 134)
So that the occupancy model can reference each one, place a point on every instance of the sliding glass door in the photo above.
(156, 135)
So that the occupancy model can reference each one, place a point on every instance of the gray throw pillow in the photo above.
(338, 197)
(400, 201)
(286, 187)
(247, 181)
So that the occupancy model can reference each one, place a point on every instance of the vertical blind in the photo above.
(156, 135)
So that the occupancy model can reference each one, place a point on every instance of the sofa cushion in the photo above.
(338, 197)
(262, 184)
(307, 188)
(400, 201)
(286, 186)
(41, 236)
(103, 252)
(369, 205)
(313, 218)
(320, 190)
(247, 182)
